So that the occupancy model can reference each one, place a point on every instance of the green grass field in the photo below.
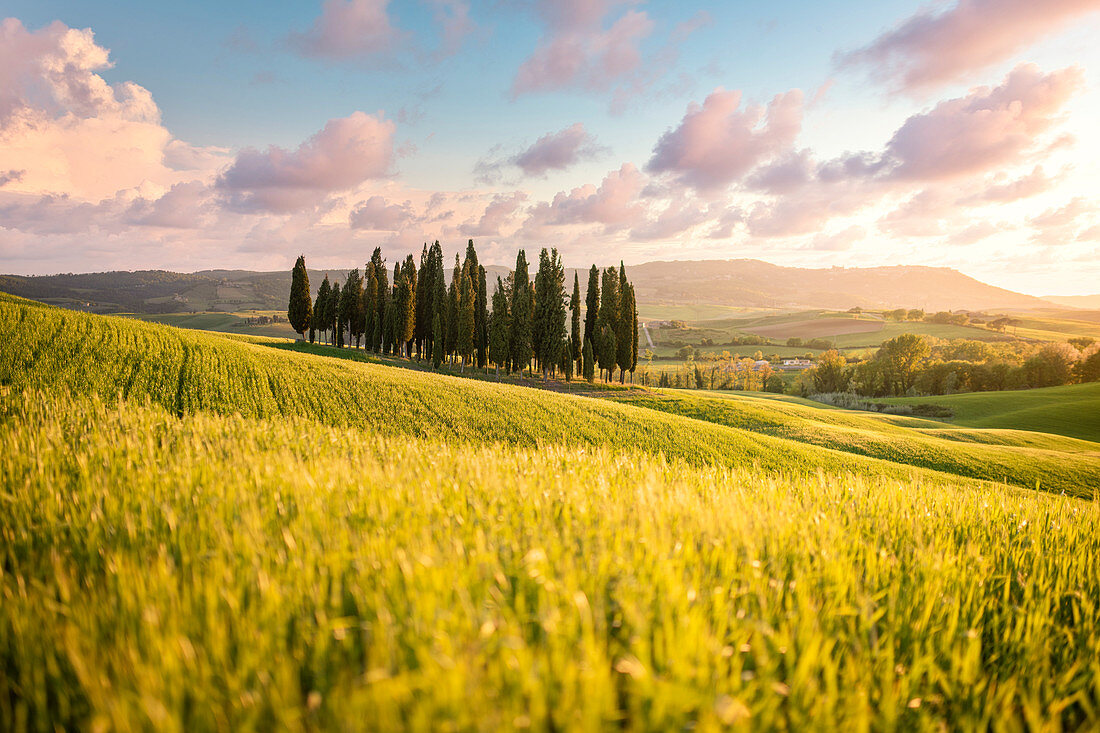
(202, 532)
(1073, 410)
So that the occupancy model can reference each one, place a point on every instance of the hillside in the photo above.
(203, 532)
(1075, 301)
(705, 288)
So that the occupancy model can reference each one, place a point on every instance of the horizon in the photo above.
(960, 135)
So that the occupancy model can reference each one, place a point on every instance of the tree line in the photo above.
(415, 313)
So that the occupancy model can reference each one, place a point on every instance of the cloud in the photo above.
(558, 151)
(718, 142)
(70, 132)
(185, 206)
(676, 218)
(375, 214)
(11, 176)
(984, 129)
(1005, 191)
(347, 30)
(346, 152)
(613, 204)
(933, 47)
(499, 212)
(578, 51)
(838, 241)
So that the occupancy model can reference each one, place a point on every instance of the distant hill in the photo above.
(740, 283)
(1091, 302)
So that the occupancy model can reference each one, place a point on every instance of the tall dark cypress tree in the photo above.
(575, 325)
(481, 320)
(320, 306)
(499, 327)
(423, 318)
(351, 306)
(592, 305)
(519, 337)
(437, 340)
(405, 318)
(623, 338)
(548, 330)
(381, 275)
(370, 307)
(334, 313)
(588, 361)
(439, 310)
(634, 350)
(607, 322)
(467, 300)
(452, 309)
(299, 310)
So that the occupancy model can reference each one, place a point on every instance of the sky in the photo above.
(188, 136)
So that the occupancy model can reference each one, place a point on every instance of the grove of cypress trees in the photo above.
(320, 306)
(299, 311)
(381, 275)
(519, 336)
(588, 361)
(499, 328)
(437, 340)
(351, 305)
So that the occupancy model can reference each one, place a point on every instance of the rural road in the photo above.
(645, 329)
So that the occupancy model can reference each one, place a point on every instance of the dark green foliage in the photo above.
(370, 308)
(607, 322)
(336, 324)
(320, 307)
(901, 357)
(624, 339)
(437, 340)
(592, 304)
(351, 305)
(588, 361)
(548, 325)
(378, 266)
(519, 337)
(575, 335)
(481, 320)
(633, 333)
(499, 327)
(774, 384)
(1089, 369)
(453, 295)
(299, 311)
(405, 307)
(466, 309)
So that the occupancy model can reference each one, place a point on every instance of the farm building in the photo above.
(790, 365)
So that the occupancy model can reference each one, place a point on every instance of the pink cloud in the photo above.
(718, 142)
(613, 204)
(375, 214)
(185, 206)
(348, 29)
(498, 214)
(1005, 191)
(984, 129)
(933, 48)
(578, 51)
(676, 218)
(346, 152)
(72, 133)
(557, 151)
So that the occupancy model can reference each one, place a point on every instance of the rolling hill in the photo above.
(697, 286)
(202, 532)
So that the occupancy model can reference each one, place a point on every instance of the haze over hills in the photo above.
(1074, 301)
(739, 283)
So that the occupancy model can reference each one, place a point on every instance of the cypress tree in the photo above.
(481, 320)
(320, 307)
(423, 322)
(634, 333)
(351, 305)
(379, 266)
(575, 325)
(499, 328)
(519, 336)
(370, 306)
(334, 311)
(588, 360)
(299, 310)
(452, 309)
(607, 323)
(405, 308)
(549, 320)
(623, 338)
(439, 308)
(567, 360)
(466, 321)
(592, 305)
(437, 339)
